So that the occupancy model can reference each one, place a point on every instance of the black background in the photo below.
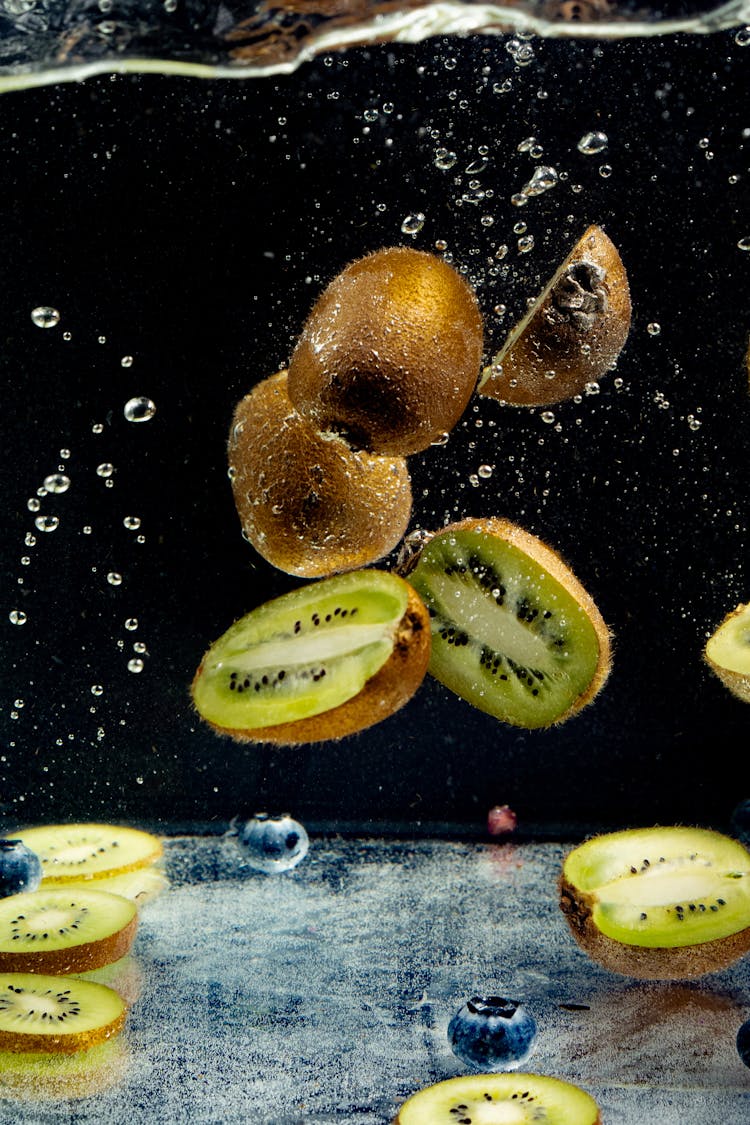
(190, 224)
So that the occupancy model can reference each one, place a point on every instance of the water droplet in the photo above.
(139, 409)
(132, 523)
(46, 523)
(591, 143)
(33, 504)
(412, 224)
(503, 87)
(388, 107)
(105, 469)
(520, 228)
(57, 482)
(441, 244)
(521, 53)
(475, 167)
(547, 416)
(17, 617)
(485, 471)
(97, 689)
(527, 144)
(25, 560)
(605, 171)
(526, 244)
(29, 539)
(445, 159)
(519, 199)
(86, 530)
(487, 220)
(542, 180)
(126, 361)
(131, 624)
(44, 316)
(114, 578)
(653, 328)
(135, 664)
(442, 440)
(592, 388)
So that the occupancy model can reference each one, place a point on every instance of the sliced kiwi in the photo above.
(513, 631)
(500, 1099)
(141, 885)
(321, 662)
(76, 852)
(573, 332)
(307, 503)
(728, 652)
(664, 903)
(54, 1013)
(63, 930)
(42, 1076)
(390, 354)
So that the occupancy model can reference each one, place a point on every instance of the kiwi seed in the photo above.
(727, 652)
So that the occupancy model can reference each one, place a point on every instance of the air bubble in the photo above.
(542, 180)
(526, 244)
(744, 243)
(139, 647)
(653, 328)
(485, 471)
(97, 689)
(412, 224)
(131, 624)
(114, 578)
(33, 504)
(547, 416)
(126, 361)
(57, 482)
(132, 523)
(591, 143)
(139, 409)
(105, 470)
(135, 664)
(17, 617)
(445, 159)
(44, 316)
(605, 171)
(46, 523)
(742, 38)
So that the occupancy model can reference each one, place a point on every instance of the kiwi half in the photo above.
(513, 630)
(573, 332)
(75, 852)
(500, 1099)
(390, 354)
(64, 930)
(319, 663)
(307, 503)
(728, 652)
(659, 903)
(53, 1013)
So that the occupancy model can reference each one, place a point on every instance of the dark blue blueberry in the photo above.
(740, 822)
(272, 843)
(492, 1033)
(20, 868)
(743, 1042)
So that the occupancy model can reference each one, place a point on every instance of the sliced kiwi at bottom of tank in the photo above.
(44, 1076)
(664, 903)
(51, 1013)
(318, 663)
(64, 930)
(76, 852)
(513, 631)
(500, 1099)
(727, 652)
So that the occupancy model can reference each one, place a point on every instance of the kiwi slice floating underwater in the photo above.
(64, 930)
(53, 1013)
(728, 652)
(513, 630)
(76, 852)
(42, 1076)
(659, 903)
(318, 663)
(390, 354)
(307, 503)
(500, 1099)
(573, 332)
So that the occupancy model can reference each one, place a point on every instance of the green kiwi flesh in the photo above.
(74, 852)
(64, 930)
(660, 903)
(310, 653)
(500, 1099)
(51, 1013)
(513, 632)
(728, 652)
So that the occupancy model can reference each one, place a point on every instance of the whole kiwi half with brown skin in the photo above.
(571, 335)
(307, 503)
(390, 353)
(319, 663)
(727, 652)
(661, 903)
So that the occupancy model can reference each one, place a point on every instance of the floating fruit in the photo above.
(520, 1099)
(307, 503)
(76, 852)
(20, 868)
(390, 354)
(492, 1033)
(571, 335)
(54, 1013)
(659, 903)
(728, 652)
(272, 844)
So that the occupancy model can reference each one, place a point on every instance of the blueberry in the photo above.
(492, 1033)
(743, 1042)
(20, 868)
(273, 843)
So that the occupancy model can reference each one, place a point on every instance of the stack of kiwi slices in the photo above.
(70, 925)
(500, 1099)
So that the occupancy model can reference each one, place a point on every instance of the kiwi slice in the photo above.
(500, 1099)
(42, 1076)
(64, 931)
(659, 903)
(513, 631)
(728, 652)
(76, 852)
(54, 1013)
(321, 662)
(573, 332)
(307, 503)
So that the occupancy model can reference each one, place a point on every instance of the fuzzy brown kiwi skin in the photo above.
(556, 331)
(681, 963)
(80, 959)
(552, 562)
(390, 354)
(386, 692)
(308, 504)
(736, 682)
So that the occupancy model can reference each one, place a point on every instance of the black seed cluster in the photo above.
(69, 1007)
(19, 933)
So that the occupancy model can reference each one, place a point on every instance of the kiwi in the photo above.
(573, 332)
(53, 1013)
(513, 1099)
(64, 931)
(318, 663)
(141, 885)
(390, 354)
(513, 631)
(728, 652)
(307, 503)
(42, 1076)
(659, 903)
(76, 852)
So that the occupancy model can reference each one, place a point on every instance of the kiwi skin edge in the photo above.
(736, 682)
(386, 692)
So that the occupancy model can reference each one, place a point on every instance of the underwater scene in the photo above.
(376, 591)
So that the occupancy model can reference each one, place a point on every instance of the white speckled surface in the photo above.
(324, 994)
